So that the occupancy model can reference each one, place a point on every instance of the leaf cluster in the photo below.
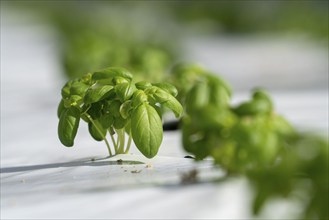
(111, 103)
(251, 139)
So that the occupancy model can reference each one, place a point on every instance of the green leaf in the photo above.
(97, 133)
(168, 88)
(75, 100)
(114, 108)
(146, 130)
(219, 82)
(253, 107)
(219, 95)
(98, 93)
(261, 103)
(95, 110)
(68, 126)
(197, 97)
(125, 109)
(60, 108)
(112, 72)
(86, 79)
(168, 101)
(194, 139)
(119, 122)
(66, 90)
(143, 85)
(78, 88)
(139, 97)
(262, 97)
(124, 91)
(106, 120)
(159, 110)
(118, 80)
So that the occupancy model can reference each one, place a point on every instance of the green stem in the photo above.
(115, 144)
(99, 131)
(129, 143)
(121, 137)
(118, 141)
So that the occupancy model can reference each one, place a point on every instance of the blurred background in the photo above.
(250, 43)
(278, 45)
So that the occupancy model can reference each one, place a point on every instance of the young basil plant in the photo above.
(112, 104)
(251, 139)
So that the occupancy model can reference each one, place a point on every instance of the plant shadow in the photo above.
(89, 162)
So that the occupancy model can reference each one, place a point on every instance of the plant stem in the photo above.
(120, 140)
(115, 144)
(129, 143)
(99, 131)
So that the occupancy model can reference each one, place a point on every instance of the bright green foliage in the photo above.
(146, 129)
(110, 103)
(252, 140)
(68, 125)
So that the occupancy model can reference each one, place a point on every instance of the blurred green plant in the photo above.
(95, 41)
(94, 35)
(251, 139)
(238, 17)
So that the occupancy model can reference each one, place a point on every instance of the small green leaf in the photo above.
(118, 80)
(97, 133)
(253, 107)
(219, 95)
(125, 109)
(98, 93)
(197, 97)
(124, 91)
(75, 100)
(66, 90)
(168, 88)
(168, 101)
(261, 95)
(106, 120)
(139, 97)
(119, 122)
(86, 79)
(95, 110)
(68, 126)
(78, 88)
(114, 108)
(60, 108)
(146, 130)
(219, 82)
(143, 85)
(111, 72)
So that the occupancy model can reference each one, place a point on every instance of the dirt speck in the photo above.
(189, 177)
(136, 171)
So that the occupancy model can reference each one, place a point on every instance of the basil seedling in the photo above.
(112, 104)
(251, 139)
